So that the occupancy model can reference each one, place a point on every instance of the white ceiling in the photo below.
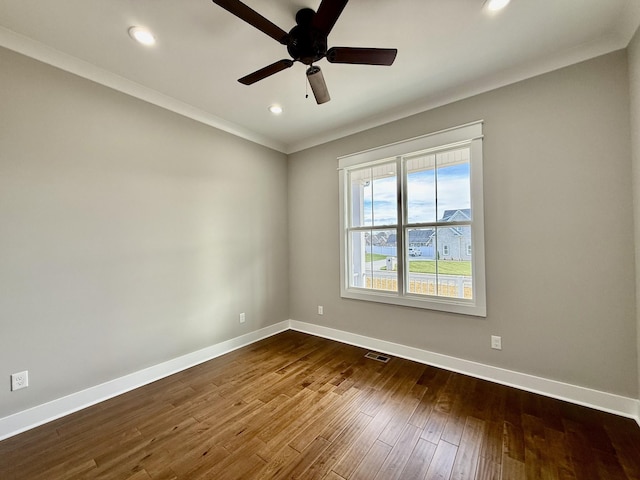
(447, 50)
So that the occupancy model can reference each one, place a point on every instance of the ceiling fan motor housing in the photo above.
(306, 44)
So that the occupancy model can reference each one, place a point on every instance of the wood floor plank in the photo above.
(583, 458)
(360, 446)
(322, 465)
(295, 406)
(333, 476)
(395, 462)
(624, 437)
(513, 441)
(418, 463)
(253, 424)
(513, 469)
(442, 462)
(403, 410)
(559, 454)
(67, 470)
(434, 379)
(292, 422)
(140, 475)
(492, 440)
(534, 447)
(330, 424)
(435, 426)
(278, 464)
(466, 461)
(488, 469)
(371, 462)
(211, 467)
(460, 409)
(307, 457)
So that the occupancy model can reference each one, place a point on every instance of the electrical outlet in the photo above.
(320, 310)
(496, 342)
(242, 318)
(20, 380)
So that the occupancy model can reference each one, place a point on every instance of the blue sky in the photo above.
(453, 193)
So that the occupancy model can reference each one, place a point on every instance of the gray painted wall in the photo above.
(558, 229)
(129, 235)
(634, 87)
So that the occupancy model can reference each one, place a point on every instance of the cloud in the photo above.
(453, 193)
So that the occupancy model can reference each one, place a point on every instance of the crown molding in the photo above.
(45, 54)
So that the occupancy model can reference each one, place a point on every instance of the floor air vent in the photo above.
(377, 356)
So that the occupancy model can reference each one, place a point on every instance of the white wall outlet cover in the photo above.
(19, 380)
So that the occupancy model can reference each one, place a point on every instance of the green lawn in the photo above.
(372, 257)
(446, 267)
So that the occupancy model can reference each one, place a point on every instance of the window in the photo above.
(412, 223)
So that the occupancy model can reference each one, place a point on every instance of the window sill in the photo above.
(463, 307)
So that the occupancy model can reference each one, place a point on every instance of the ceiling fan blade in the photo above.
(327, 14)
(266, 72)
(318, 85)
(364, 56)
(243, 12)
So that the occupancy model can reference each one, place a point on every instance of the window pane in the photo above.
(453, 185)
(374, 260)
(421, 189)
(439, 261)
(421, 260)
(453, 262)
(374, 195)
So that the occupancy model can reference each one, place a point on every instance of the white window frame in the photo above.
(465, 135)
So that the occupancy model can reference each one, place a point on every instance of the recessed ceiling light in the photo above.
(142, 35)
(495, 5)
(275, 109)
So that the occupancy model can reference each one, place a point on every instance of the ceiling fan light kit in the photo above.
(318, 85)
(307, 43)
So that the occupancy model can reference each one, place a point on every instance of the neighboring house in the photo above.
(379, 239)
(421, 238)
(454, 243)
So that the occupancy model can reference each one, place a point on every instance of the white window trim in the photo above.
(468, 134)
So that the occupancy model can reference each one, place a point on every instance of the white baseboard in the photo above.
(608, 402)
(41, 414)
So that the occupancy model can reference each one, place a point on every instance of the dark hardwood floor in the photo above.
(298, 406)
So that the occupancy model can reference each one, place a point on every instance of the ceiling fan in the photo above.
(307, 43)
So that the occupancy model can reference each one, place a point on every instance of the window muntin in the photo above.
(410, 223)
